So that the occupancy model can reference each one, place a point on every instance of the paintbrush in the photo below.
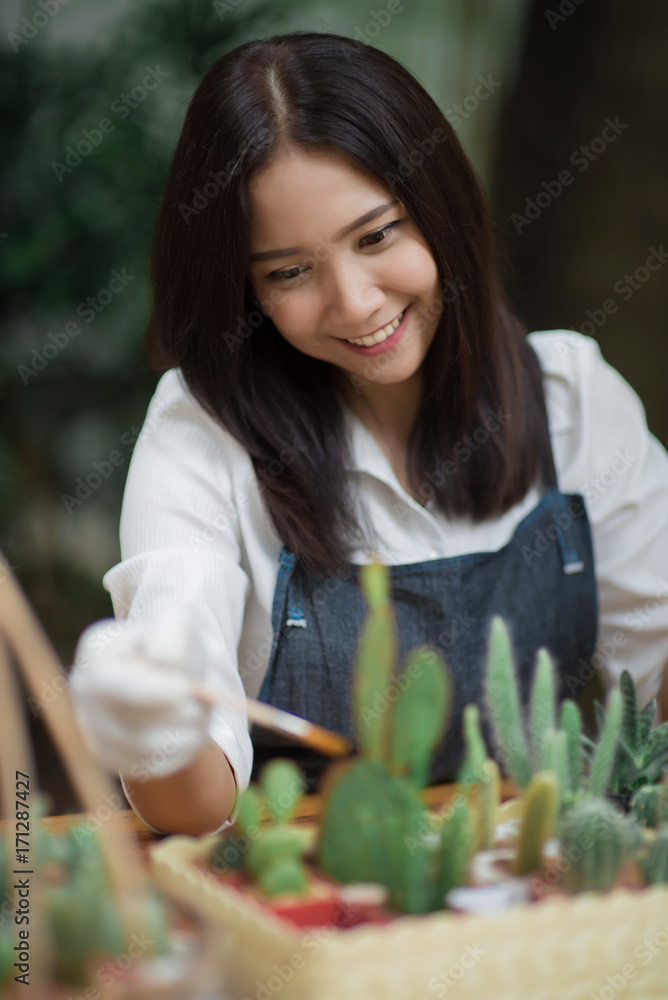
(279, 721)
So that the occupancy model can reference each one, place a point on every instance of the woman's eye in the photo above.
(288, 275)
(379, 235)
(371, 240)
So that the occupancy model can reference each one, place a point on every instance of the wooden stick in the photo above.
(16, 762)
(43, 673)
(279, 721)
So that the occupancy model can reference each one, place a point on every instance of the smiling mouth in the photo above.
(380, 335)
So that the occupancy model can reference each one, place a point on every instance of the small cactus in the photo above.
(655, 864)
(274, 855)
(604, 755)
(570, 723)
(542, 710)
(503, 704)
(596, 838)
(478, 769)
(650, 804)
(457, 838)
(540, 810)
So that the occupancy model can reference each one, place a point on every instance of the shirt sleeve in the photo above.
(605, 451)
(181, 546)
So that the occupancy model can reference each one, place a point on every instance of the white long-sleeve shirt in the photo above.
(194, 528)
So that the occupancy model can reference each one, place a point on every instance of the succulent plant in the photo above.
(374, 825)
(479, 769)
(541, 743)
(570, 723)
(275, 851)
(542, 711)
(603, 757)
(596, 838)
(457, 838)
(650, 804)
(655, 864)
(540, 800)
(641, 755)
(503, 703)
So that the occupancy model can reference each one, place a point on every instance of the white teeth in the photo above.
(380, 335)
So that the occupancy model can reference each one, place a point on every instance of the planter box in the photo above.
(562, 948)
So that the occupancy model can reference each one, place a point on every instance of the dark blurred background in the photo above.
(85, 153)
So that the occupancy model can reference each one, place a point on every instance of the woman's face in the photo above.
(327, 274)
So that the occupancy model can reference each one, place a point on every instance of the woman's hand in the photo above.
(132, 692)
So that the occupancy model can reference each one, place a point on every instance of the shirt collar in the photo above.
(367, 456)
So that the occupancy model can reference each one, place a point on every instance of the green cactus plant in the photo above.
(641, 754)
(538, 820)
(478, 768)
(275, 851)
(655, 864)
(650, 804)
(570, 723)
(503, 703)
(603, 758)
(596, 838)
(457, 839)
(373, 820)
(542, 710)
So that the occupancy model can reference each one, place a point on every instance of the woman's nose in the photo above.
(352, 295)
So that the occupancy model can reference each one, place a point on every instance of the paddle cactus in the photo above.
(540, 801)
(275, 852)
(374, 824)
(596, 838)
(655, 864)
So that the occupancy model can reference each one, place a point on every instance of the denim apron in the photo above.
(542, 582)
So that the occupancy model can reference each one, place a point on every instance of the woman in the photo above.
(345, 378)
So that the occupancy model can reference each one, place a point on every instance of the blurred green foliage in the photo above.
(78, 203)
(86, 153)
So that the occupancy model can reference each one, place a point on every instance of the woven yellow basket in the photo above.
(590, 947)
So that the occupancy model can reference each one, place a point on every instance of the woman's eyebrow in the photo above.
(289, 251)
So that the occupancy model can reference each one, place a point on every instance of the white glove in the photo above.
(131, 692)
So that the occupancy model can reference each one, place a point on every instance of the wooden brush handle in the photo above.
(279, 721)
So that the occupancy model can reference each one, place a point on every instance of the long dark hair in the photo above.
(481, 433)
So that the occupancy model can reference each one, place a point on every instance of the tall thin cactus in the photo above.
(542, 710)
(504, 706)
